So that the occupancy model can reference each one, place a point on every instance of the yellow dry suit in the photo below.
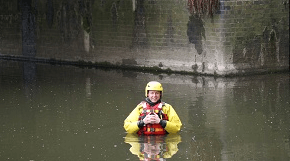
(172, 125)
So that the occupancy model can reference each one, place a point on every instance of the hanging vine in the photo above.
(203, 7)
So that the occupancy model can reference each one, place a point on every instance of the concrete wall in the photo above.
(242, 36)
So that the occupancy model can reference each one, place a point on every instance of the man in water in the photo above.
(152, 116)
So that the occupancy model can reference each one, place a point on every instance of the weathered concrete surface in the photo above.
(243, 36)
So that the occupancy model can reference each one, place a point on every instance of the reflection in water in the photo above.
(88, 88)
(29, 76)
(68, 113)
(239, 121)
(153, 147)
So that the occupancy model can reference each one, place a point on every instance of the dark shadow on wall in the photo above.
(139, 33)
(85, 8)
(49, 13)
(68, 20)
(28, 28)
(195, 32)
(114, 13)
(269, 49)
(170, 31)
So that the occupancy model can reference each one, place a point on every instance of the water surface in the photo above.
(52, 112)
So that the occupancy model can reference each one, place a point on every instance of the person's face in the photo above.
(154, 96)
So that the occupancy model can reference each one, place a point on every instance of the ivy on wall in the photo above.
(203, 7)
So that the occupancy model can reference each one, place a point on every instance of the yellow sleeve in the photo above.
(173, 124)
(130, 123)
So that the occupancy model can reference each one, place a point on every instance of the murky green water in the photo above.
(68, 113)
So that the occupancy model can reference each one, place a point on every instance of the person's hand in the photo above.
(151, 119)
(155, 119)
(147, 119)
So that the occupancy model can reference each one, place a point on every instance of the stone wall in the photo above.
(241, 36)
